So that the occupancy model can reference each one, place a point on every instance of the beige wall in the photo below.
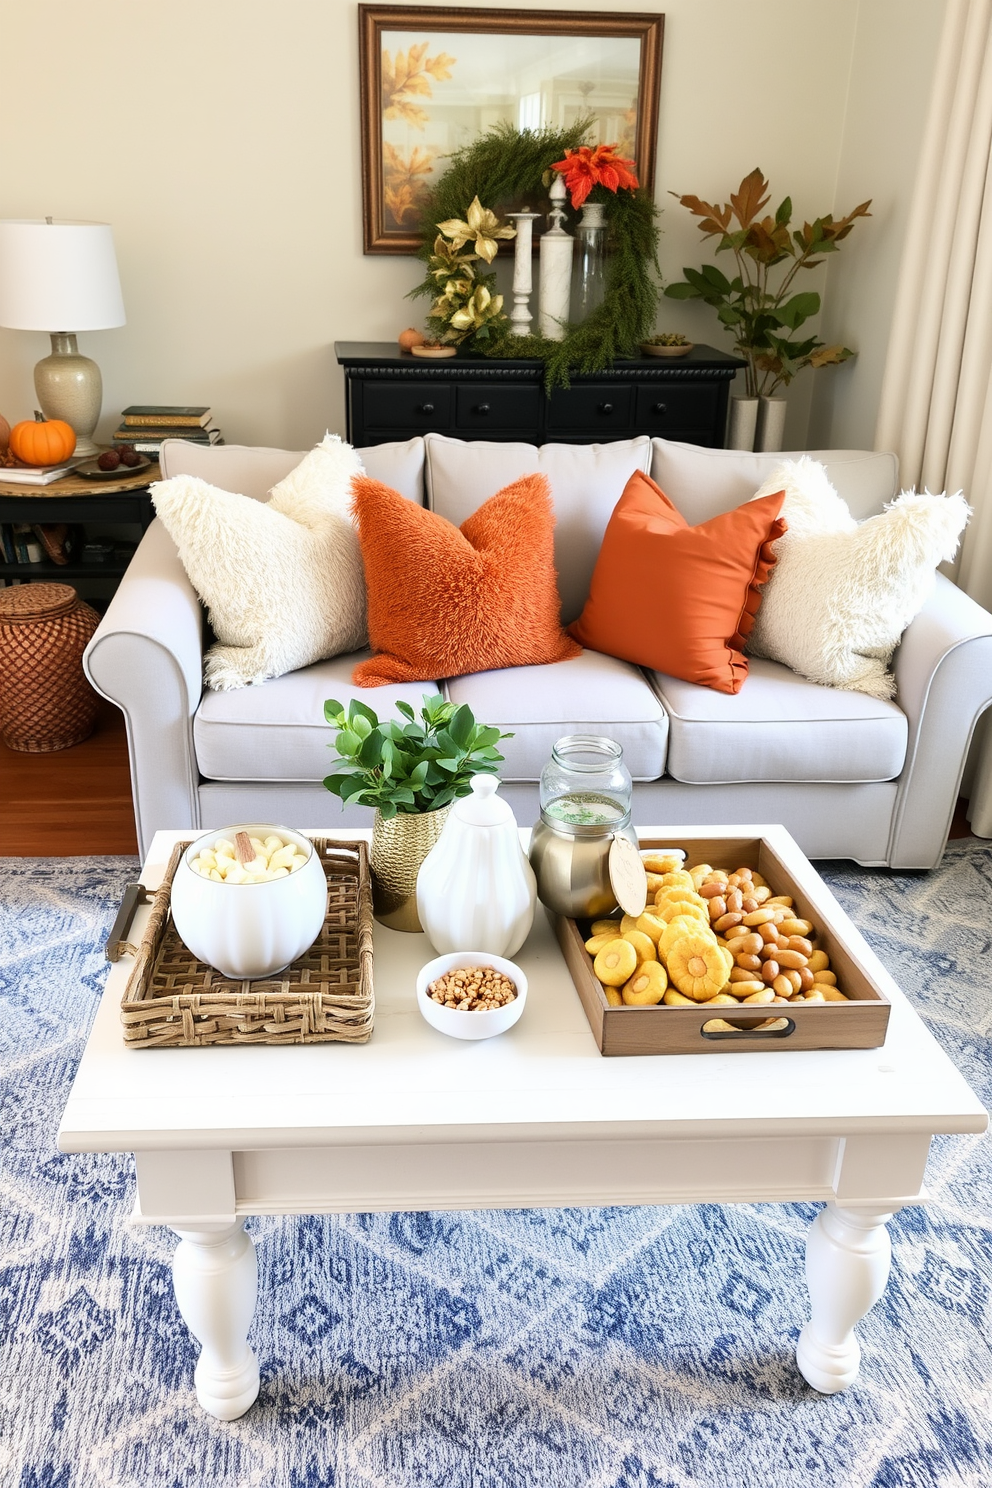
(220, 138)
(895, 50)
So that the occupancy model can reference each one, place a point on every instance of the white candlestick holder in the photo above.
(556, 269)
(520, 316)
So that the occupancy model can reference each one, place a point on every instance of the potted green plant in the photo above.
(759, 306)
(410, 770)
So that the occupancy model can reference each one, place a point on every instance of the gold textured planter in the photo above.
(399, 846)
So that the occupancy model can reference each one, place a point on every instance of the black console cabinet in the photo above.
(392, 394)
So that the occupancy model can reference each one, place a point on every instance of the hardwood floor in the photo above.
(73, 803)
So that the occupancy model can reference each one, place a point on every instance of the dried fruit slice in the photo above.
(676, 929)
(643, 945)
(662, 862)
(647, 986)
(669, 909)
(615, 963)
(697, 967)
(604, 927)
(677, 879)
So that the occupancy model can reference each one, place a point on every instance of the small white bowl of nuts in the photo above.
(471, 994)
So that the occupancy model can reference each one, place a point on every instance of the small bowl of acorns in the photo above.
(667, 344)
(113, 463)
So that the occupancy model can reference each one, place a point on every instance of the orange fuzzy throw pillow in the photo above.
(675, 598)
(446, 600)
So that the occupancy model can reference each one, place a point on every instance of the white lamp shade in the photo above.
(59, 276)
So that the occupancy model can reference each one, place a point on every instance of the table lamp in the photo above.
(55, 275)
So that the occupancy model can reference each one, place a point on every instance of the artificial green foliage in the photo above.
(512, 165)
(763, 316)
(410, 766)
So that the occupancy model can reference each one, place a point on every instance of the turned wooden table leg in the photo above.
(847, 1265)
(215, 1275)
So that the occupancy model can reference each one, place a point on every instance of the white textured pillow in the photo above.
(282, 579)
(842, 592)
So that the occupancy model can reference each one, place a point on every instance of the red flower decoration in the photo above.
(585, 168)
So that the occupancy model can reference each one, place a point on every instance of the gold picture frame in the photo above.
(421, 99)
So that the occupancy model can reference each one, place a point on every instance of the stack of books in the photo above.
(145, 425)
(38, 475)
(26, 542)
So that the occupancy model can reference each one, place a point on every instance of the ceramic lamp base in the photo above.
(69, 387)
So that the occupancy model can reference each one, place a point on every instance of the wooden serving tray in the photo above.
(172, 1000)
(860, 1023)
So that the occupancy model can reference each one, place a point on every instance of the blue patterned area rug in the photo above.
(607, 1348)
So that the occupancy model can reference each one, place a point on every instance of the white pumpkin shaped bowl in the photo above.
(459, 1024)
(248, 931)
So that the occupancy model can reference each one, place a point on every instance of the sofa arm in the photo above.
(943, 670)
(147, 657)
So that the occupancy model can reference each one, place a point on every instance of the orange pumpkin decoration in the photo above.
(410, 338)
(42, 441)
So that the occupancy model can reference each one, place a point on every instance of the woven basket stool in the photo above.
(46, 702)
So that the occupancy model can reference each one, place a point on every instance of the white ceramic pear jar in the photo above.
(476, 890)
(249, 930)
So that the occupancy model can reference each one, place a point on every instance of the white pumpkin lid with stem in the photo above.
(484, 808)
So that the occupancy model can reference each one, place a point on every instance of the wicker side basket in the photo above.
(172, 1000)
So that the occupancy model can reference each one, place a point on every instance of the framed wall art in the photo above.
(434, 78)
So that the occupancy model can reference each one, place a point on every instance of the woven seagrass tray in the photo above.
(172, 1000)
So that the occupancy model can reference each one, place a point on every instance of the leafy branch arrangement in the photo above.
(762, 319)
(413, 766)
(505, 166)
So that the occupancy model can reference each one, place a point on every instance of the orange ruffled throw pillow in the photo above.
(679, 599)
(446, 600)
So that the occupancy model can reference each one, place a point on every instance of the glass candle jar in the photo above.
(585, 803)
(586, 783)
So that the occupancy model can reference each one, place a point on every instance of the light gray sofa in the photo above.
(848, 775)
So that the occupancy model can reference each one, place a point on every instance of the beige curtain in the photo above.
(936, 403)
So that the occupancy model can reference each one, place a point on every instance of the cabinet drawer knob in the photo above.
(425, 408)
(606, 407)
(661, 408)
(481, 408)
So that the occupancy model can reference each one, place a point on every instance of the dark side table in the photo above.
(79, 502)
(391, 394)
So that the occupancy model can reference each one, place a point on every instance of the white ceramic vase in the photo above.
(476, 890)
(743, 423)
(771, 424)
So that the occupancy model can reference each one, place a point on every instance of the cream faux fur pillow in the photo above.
(282, 579)
(842, 592)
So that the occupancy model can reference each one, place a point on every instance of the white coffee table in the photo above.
(536, 1118)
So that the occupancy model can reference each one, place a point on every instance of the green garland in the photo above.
(507, 164)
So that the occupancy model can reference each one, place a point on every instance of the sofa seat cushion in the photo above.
(277, 731)
(779, 727)
(591, 694)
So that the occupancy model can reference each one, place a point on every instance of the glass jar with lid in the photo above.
(586, 796)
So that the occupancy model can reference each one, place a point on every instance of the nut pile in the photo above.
(711, 938)
(472, 989)
(272, 858)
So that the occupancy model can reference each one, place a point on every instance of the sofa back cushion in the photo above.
(252, 470)
(586, 482)
(705, 482)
